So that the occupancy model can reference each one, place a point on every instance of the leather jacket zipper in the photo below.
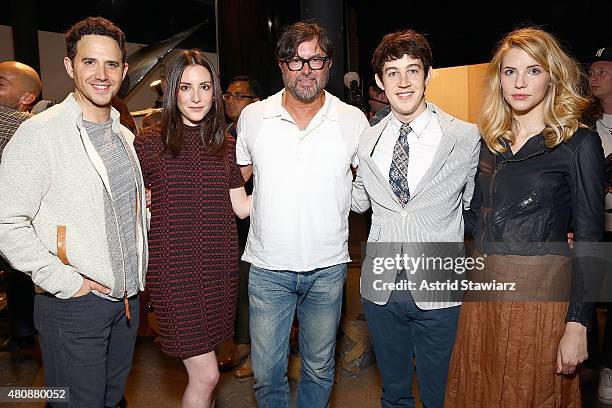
(492, 184)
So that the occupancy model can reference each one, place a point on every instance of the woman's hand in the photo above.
(572, 348)
(148, 196)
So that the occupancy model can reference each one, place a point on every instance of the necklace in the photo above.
(608, 128)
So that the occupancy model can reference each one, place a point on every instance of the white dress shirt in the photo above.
(423, 142)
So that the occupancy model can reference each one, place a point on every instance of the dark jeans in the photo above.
(19, 301)
(601, 357)
(241, 324)
(87, 345)
(400, 330)
(604, 356)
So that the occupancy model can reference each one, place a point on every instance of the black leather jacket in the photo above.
(525, 202)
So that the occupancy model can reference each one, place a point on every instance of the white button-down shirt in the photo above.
(302, 183)
(423, 142)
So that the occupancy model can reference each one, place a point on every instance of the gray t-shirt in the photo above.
(123, 192)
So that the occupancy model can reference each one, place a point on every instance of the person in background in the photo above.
(241, 92)
(196, 188)
(378, 102)
(20, 87)
(72, 216)
(126, 118)
(118, 103)
(541, 171)
(598, 115)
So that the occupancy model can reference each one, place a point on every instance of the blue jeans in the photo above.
(400, 330)
(273, 299)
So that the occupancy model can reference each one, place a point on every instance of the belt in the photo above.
(47, 294)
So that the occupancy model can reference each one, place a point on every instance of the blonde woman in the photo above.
(540, 176)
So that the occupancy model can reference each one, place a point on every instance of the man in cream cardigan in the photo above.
(72, 217)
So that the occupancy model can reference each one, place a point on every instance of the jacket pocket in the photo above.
(525, 221)
(374, 233)
(371, 246)
(523, 205)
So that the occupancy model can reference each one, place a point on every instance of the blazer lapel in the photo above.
(447, 142)
(382, 179)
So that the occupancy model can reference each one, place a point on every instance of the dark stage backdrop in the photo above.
(466, 32)
(460, 32)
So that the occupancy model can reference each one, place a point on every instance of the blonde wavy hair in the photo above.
(564, 100)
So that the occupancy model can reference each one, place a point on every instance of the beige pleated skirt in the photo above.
(505, 354)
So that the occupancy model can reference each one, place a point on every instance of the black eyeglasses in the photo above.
(239, 97)
(297, 63)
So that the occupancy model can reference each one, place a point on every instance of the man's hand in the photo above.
(148, 196)
(572, 348)
(247, 172)
(89, 285)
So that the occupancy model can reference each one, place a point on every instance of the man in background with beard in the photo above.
(299, 144)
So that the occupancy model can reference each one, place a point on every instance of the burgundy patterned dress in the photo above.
(193, 265)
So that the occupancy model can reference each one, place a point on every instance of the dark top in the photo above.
(193, 267)
(244, 224)
(10, 119)
(526, 202)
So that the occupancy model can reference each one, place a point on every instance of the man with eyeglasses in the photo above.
(378, 103)
(299, 145)
(242, 91)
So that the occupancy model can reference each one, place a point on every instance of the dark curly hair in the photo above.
(393, 46)
(94, 26)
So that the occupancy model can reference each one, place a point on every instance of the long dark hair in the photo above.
(212, 132)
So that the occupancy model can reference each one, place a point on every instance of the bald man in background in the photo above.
(19, 89)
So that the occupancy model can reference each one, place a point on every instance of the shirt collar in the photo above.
(78, 113)
(417, 125)
(275, 108)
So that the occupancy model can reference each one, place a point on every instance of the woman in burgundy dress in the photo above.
(190, 166)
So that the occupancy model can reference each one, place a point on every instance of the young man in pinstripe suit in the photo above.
(416, 171)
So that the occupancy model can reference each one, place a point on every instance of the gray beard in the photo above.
(306, 94)
(9, 103)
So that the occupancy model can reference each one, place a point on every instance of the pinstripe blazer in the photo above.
(432, 215)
